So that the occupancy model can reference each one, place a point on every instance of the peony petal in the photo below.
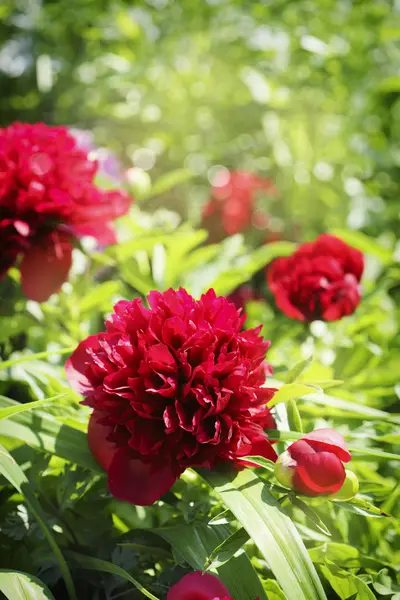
(260, 447)
(134, 481)
(198, 586)
(101, 448)
(318, 473)
(102, 232)
(78, 363)
(328, 440)
(45, 267)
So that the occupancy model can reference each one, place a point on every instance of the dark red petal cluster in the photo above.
(172, 386)
(48, 197)
(315, 463)
(321, 280)
(233, 203)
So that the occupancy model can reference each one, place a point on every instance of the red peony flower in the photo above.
(321, 280)
(233, 202)
(198, 586)
(313, 465)
(172, 386)
(48, 198)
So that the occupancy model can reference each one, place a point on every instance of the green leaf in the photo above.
(359, 506)
(96, 564)
(293, 374)
(345, 584)
(365, 244)
(230, 279)
(45, 433)
(343, 555)
(274, 590)
(10, 411)
(14, 474)
(16, 585)
(384, 584)
(226, 550)
(195, 543)
(290, 391)
(293, 415)
(310, 514)
(39, 356)
(270, 529)
(167, 182)
(99, 297)
(351, 408)
(260, 461)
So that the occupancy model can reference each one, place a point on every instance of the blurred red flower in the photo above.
(313, 465)
(48, 198)
(172, 386)
(243, 294)
(321, 280)
(232, 203)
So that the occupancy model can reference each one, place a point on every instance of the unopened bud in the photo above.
(348, 490)
(284, 469)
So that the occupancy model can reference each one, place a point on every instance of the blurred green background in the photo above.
(304, 92)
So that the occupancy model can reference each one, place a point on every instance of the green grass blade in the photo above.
(271, 530)
(103, 566)
(39, 356)
(45, 433)
(14, 474)
(9, 411)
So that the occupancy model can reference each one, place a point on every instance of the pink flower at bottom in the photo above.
(199, 586)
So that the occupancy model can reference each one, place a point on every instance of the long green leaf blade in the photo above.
(9, 411)
(45, 433)
(271, 529)
(96, 564)
(16, 585)
(14, 474)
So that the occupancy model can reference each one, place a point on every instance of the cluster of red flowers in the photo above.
(48, 198)
(172, 386)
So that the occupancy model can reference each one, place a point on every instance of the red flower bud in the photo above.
(313, 465)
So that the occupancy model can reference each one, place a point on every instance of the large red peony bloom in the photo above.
(321, 280)
(313, 465)
(232, 203)
(47, 198)
(172, 386)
